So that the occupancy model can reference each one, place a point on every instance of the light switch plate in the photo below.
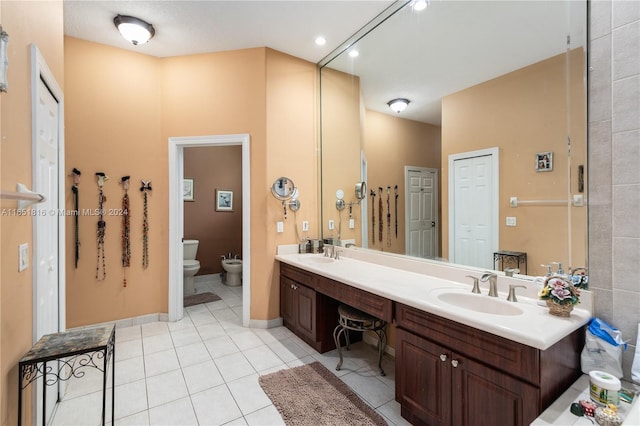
(511, 221)
(352, 223)
(305, 225)
(23, 262)
(332, 224)
(280, 226)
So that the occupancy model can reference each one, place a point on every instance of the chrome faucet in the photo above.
(328, 251)
(493, 283)
(336, 254)
(476, 287)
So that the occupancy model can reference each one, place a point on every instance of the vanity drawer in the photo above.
(511, 357)
(299, 275)
(370, 303)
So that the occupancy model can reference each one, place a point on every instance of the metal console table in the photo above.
(73, 351)
(511, 257)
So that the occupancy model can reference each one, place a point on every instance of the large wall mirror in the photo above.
(490, 154)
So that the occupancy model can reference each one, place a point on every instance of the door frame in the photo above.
(176, 217)
(436, 187)
(40, 70)
(495, 199)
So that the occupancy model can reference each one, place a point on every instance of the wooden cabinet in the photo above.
(311, 315)
(298, 307)
(451, 374)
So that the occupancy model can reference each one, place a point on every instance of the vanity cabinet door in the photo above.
(423, 380)
(287, 302)
(485, 396)
(298, 309)
(305, 301)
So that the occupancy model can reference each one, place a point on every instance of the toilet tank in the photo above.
(189, 248)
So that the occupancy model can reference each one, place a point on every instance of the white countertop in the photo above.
(559, 412)
(416, 285)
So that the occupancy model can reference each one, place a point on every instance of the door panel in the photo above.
(422, 213)
(46, 228)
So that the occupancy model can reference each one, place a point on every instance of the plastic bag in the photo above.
(635, 368)
(603, 349)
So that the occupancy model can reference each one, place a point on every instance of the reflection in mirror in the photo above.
(492, 86)
(283, 188)
(361, 190)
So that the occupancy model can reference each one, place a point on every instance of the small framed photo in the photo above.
(224, 200)
(544, 161)
(187, 189)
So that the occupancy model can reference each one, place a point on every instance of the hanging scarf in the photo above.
(102, 227)
(145, 188)
(75, 173)
(126, 228)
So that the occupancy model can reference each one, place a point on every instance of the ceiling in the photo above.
(449, 46)
(186, 27)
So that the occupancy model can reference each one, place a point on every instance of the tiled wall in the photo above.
(614, 165)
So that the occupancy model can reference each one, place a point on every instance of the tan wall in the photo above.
(208, 94)
(392, 143)
(483, 116)
(113, 123)
(341, 148)
(292, 151)
(218, 232)
(25, 22)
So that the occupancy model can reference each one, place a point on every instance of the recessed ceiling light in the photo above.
(320, 41)
(419, 5)
(354, 53)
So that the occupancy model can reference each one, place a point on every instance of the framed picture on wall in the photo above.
(224, 200)
(187, 189)
(544, 161)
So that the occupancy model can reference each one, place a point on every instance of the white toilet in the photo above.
(234, 271)
(190, 266)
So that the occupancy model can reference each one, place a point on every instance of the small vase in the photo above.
(559, 310)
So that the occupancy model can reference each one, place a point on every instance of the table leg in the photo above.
(20, 395)
(104, 383)
(44, 395)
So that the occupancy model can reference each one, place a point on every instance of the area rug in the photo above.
(312, 395)
(198, 298)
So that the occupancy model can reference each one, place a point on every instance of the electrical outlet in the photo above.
(23, 262)
(352, 223)
(305, 225)
(332, 225)
(511, 221)
(280, 226)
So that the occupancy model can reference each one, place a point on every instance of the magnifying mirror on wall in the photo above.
(361, 190)
(283, 189)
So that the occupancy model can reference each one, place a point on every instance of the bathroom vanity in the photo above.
(454, 364)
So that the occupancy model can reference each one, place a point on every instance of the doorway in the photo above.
(421, 212)
(48, 229)
(473, 207)
(176, 217)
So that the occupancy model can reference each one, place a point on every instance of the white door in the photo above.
(421, 207)
(473, 211)
(46, 243)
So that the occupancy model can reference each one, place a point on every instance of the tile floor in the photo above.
(204, 369)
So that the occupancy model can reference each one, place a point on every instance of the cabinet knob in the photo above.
(454, 362)
(443, 357)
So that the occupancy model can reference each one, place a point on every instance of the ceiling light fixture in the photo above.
(398, 105)
(354, 53)
(135, 30)
(320, 41)
(419, 5)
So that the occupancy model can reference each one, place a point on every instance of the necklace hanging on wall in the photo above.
(126, 229)
(145, 188)
(388, 217)
(75, 174)
(101, 178)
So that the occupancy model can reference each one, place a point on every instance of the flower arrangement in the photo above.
(559, 290)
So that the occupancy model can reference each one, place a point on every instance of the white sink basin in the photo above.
(479, 303)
